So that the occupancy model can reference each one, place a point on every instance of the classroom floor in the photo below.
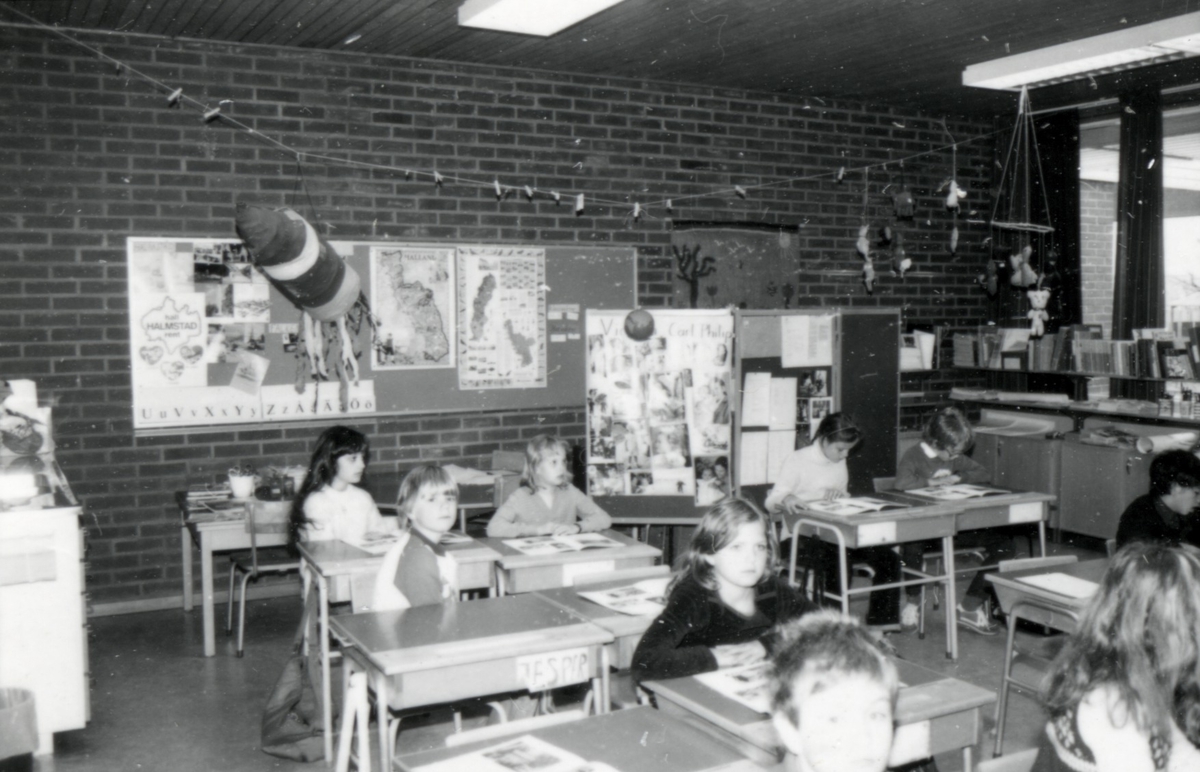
(158, 704)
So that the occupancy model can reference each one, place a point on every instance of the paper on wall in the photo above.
(250, 372)
(756, 399)
(782, 413)
(806, 340)
(780, 445)
(752, 468)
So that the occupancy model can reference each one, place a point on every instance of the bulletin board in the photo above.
(199, 309)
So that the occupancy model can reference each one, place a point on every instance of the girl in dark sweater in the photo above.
(725, 600)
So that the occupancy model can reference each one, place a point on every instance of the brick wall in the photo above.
(1097, 224)
(90, 156)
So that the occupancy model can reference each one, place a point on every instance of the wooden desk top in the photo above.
(450, 634)
(979, 502)
(629, 740)
(925, 695)
(615, 622)
(1091, 570)
(630, 548)
(939, 516)
(334, 557)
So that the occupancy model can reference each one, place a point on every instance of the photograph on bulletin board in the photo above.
(658, 403)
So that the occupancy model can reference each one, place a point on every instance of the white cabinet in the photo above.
(43, 629)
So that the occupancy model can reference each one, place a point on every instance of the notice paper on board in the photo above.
(756, 399)
(806, 340)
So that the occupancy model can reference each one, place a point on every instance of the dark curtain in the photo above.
(1058, 148)
(1138, 297)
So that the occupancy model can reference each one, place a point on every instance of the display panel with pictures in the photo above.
(659, 418)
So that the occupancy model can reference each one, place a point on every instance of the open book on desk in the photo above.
(522, 754)
(644, 598)
(957, 492)
(854, 505)
(379, 542)
(554, 545)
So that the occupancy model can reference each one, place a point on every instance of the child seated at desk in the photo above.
(834, 696)
(416, 571)
(1165, 514)
(1124, 693)
(330, 505)
(818, 472)
(546, 503)
(725, 600)
(936, 461)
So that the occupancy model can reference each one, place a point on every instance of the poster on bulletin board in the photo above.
(658, 409)
(457, 328)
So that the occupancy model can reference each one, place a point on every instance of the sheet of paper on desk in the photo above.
(956, 492)
(850, 506)
(553, 545)
(1063, 584)
(522, 754)
(645, 598)
(378, 542)
(748, 684)
(450, 537)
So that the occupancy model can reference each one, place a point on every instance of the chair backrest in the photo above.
(884, 484)
(583, 581)
(265, 517)
(509, 728)
(508, 461)
(1021, 761)
(1020, 564)
(1110, 546)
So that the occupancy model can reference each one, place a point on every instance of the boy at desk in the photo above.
(1164, 515)
(834, 696)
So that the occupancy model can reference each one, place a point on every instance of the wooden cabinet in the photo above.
(1098, 482)
(43, 630)
(1021, 463)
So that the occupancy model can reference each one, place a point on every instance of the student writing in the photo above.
(818, 472)
(725, 600)
(834, 696)
(546, 503)
(939, 459)
(1124, 693)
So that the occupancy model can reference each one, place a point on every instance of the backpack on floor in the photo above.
(291, 723)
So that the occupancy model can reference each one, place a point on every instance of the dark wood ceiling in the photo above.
(902, 52)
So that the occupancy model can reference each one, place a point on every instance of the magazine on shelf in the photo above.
(853, 505)
(554, 545)
(748, 684)
(522, 754)
(957, 492)
(644, 598)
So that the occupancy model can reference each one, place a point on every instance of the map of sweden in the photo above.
(416, 315)
(479, 318)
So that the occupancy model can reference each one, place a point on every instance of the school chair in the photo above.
(261, 517)
(1034, 655)
(1021, 761)
(509, 728)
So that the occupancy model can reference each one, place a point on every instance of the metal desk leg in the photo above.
(185, 541)
(951, 599)
(1042, 535)
(326, 687)
(967, 758)
(206, 579)
(381, 721)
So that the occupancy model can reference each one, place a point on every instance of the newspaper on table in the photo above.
(555, 545)
(644, 598)
(854, 505)
(956, 492)
(522, 754)
(748, 684)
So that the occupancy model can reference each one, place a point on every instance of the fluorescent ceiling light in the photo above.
(1161, 41)
(529, 17)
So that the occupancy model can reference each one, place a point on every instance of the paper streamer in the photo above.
(1160, 443)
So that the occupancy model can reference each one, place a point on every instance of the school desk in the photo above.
(626, 629)
(517, 572)
(430, 655)
(908, 521)
(1010, 588)
(934, 714)
(212, 535)
(327, 560)
(1007, 508)
(628, 740)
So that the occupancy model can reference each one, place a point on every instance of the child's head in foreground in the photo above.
(428, 499)
(734, 536)
(834, 694)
